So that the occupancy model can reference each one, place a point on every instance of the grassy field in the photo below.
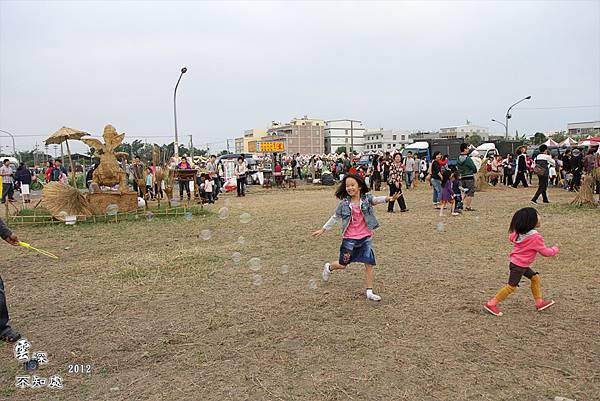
(162, 313)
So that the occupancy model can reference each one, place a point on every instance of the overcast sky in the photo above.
(398, 65)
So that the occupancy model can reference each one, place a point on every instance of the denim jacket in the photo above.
(344, 212)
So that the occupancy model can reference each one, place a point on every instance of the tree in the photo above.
(474, 139)
(223, 152)
(340, 150)
(559, 137)
(539, 138)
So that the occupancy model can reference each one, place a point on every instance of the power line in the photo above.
(558, 107)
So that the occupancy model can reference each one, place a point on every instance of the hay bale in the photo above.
(58, 197)
(585, 196)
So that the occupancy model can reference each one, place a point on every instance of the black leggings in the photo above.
(543, 186)
(401, 202)
(520, 178)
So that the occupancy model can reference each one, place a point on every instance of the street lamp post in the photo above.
(13, 142)
(501, 123)
(183, 71)
(508, 116)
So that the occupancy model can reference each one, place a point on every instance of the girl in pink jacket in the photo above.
(527, 244)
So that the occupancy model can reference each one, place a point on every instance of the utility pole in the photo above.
(191, 148)
(351, 136)
(35, 151)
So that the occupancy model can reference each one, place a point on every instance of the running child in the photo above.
(447, 192)
(358, 222)
(527, 243)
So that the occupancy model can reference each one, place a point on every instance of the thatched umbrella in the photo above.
(63, 135)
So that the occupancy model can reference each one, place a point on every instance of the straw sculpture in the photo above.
(109, 172)
(61, 198)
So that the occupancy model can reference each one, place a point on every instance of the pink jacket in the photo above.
(527, 246)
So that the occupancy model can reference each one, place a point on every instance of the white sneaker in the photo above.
(326, 272)
(373, 297)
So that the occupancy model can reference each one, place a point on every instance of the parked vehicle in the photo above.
(487, 150)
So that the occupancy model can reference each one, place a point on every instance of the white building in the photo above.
(344, 133)
(462, 131)
(239, 145)
(385, 140)
(584, 128)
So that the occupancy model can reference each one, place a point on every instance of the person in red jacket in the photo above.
(527, 244)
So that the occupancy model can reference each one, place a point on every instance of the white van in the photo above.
(487, 150)
(14, 163)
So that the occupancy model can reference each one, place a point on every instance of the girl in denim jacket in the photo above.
(358, 222)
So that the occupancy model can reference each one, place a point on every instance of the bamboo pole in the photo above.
(71, 164)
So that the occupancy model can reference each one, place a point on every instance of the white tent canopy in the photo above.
(568, 142)
(550, 143)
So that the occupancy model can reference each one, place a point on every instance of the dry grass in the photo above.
(162, 314)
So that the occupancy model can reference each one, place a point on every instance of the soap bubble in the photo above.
(283, 269)
(245, 218)
(149, 216)
(257, 279)
(70, 220)
(112, 209)
(312, 284)
(223, 213)
(205, 235)
(174, 202)
(440, 226)
(477, 219)
(227, 202)
(236, 257)
(254, 264)
(62, 215)
(188, 216)
(241, 240)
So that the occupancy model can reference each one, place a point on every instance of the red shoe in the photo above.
(544, 305)
(493, 309)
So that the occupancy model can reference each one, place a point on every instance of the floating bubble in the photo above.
(245, 218)
(227, 202)
(477, 219)
(149, 216)
(236, 257)
(254, 264)
(241, 240)
(440, 226)
(312, 284)
(223, 213)
(70, 220)
(188, 216)
(112, 209)
(257, 280)
(174, 202)
(205, 235)
(63, 215)
(284, 269)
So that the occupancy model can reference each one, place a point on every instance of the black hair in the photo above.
(240, 158)
(341, 193)
(456, 175)
(524, 220)
(409, 152)
(543, 148)
(437, 152)
(58, 160)
(446, 176)
(5, 160)
(464, 146)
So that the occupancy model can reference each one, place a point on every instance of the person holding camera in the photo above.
(6, 332)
